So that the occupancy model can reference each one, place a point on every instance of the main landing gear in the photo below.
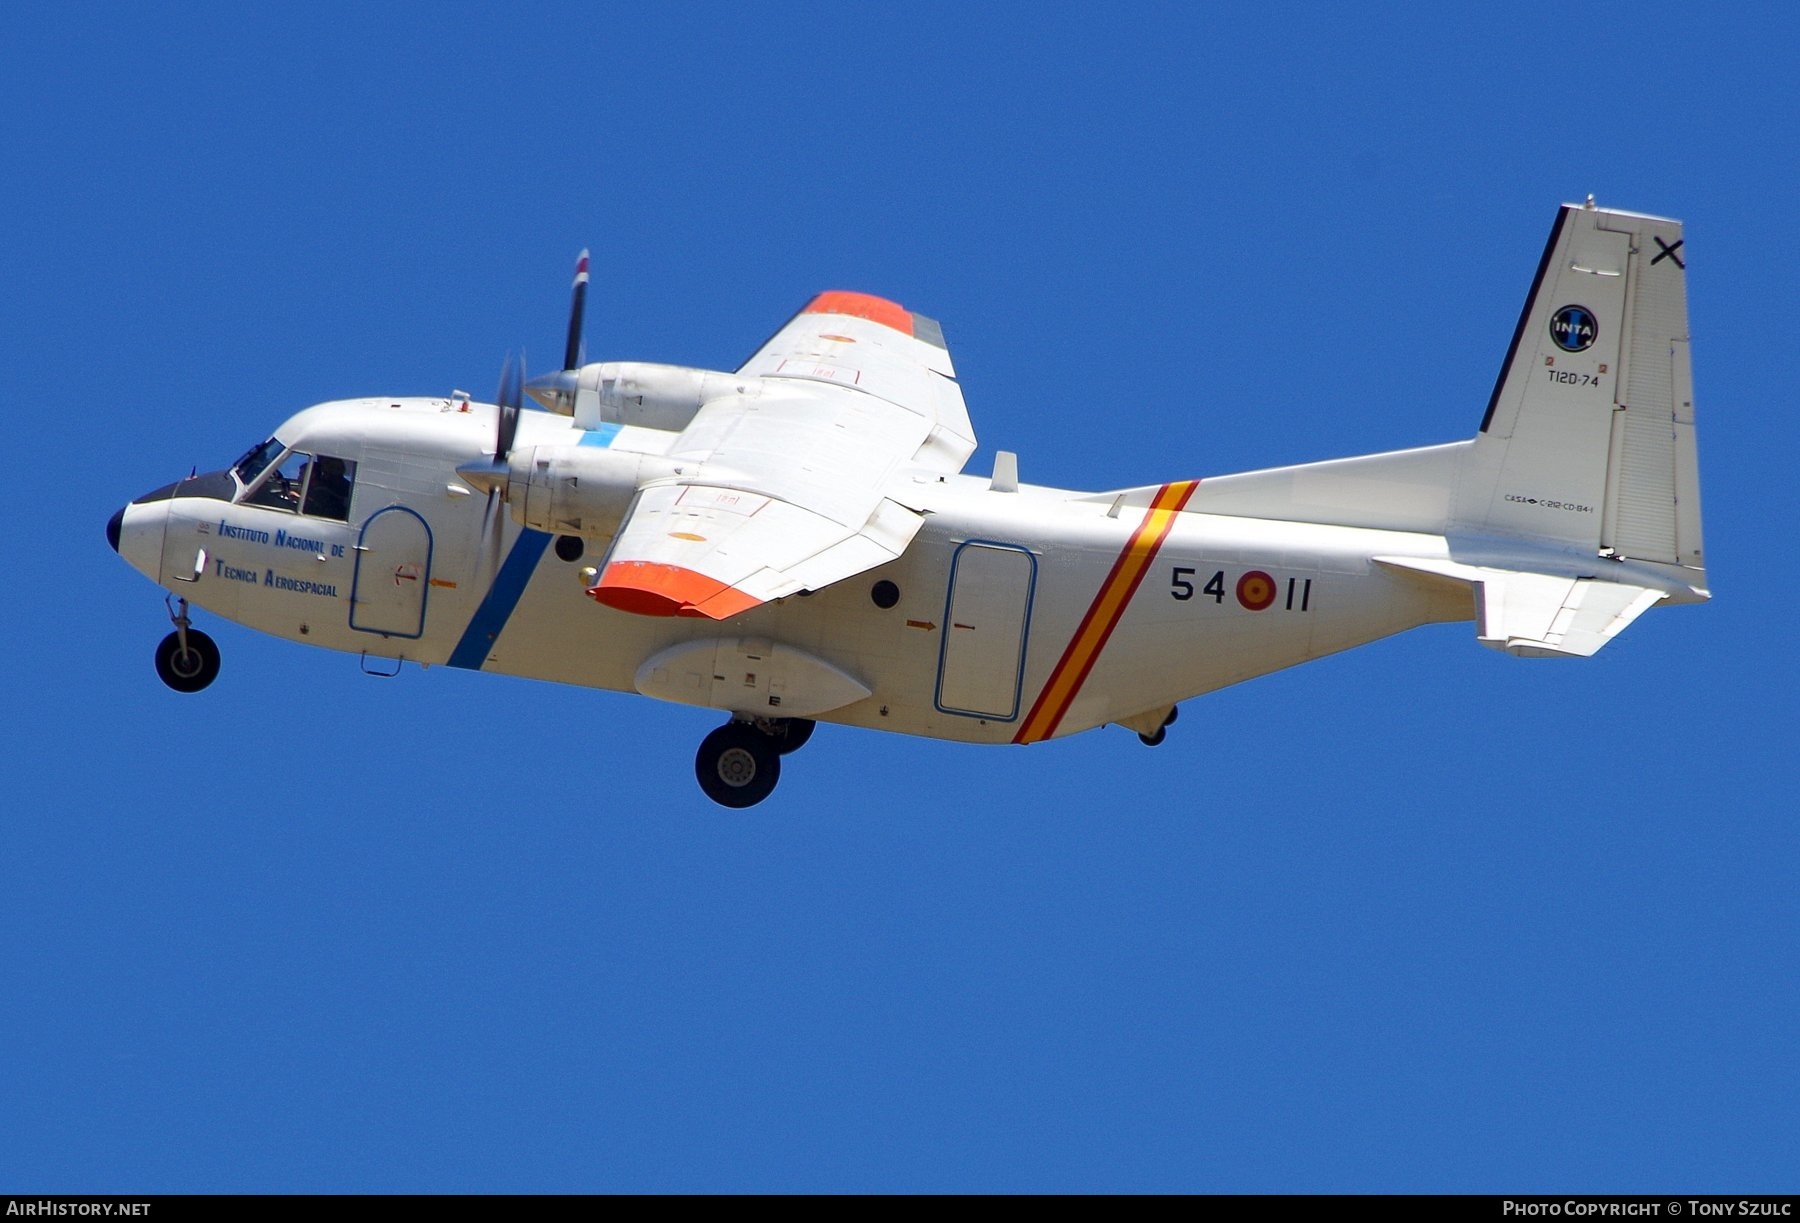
(1162, 732)
(186, 660)
(739, 763)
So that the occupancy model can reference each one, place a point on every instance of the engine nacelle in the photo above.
(578, 490)
(636, 393)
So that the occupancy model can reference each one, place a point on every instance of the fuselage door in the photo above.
(393, 572)
(986, 619)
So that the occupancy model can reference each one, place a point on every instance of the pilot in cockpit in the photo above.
(328, 496)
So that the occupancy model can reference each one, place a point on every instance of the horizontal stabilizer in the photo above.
(1540, 615)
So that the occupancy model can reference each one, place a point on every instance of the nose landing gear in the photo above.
(739, 763)
(186, 660)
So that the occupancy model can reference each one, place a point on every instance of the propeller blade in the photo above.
(491, 533)
(577, 308)
(512, 375)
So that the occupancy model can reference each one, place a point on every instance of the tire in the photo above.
(737, 765)
(1162, 732)
(189, 670)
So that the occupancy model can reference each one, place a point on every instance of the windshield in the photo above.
(302, 483)
(257, 461)
(285, 482)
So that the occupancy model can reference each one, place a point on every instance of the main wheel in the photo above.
(191, 669)
(737, 765)
(1155, 740)
(793, 735)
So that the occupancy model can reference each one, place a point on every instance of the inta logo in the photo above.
(1574, 328)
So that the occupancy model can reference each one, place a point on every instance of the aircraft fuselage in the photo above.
(1012, 617)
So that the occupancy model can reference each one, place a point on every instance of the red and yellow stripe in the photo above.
(1104, 613)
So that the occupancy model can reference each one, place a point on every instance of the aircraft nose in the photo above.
(136, 533)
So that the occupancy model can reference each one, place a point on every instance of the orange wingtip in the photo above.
(645, 588)
(863, 305)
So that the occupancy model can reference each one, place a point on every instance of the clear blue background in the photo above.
(1418, 917)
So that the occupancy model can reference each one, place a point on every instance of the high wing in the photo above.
(783, 485)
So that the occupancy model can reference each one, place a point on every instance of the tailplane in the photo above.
(1588, 440)
(1577, 506)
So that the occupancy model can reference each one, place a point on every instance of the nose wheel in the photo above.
(186, 660)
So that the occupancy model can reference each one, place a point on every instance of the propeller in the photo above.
(492, 474)
(506, 425)
(557, 391)
(489, 474)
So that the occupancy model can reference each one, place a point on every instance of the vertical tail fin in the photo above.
(1588, 440)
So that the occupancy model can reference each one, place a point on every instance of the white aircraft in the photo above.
(794, 541)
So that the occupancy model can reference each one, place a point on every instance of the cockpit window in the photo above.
(257, 461)
(302, 483)
(328, 488)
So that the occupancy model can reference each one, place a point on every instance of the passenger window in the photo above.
(281, 488)
(328, 494)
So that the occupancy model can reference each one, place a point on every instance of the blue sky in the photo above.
(1419, 917)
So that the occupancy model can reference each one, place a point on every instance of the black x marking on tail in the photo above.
(1668, 252)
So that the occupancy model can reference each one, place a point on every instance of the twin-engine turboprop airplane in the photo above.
(794, 541)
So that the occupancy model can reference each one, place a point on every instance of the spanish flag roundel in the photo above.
(1256, 590)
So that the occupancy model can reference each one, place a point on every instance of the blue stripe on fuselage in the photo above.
(502, 597)
(509, 585)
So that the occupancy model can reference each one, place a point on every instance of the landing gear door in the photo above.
(393, 574)
(986, 620)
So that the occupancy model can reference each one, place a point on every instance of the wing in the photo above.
(785, 491)
(856, 341)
